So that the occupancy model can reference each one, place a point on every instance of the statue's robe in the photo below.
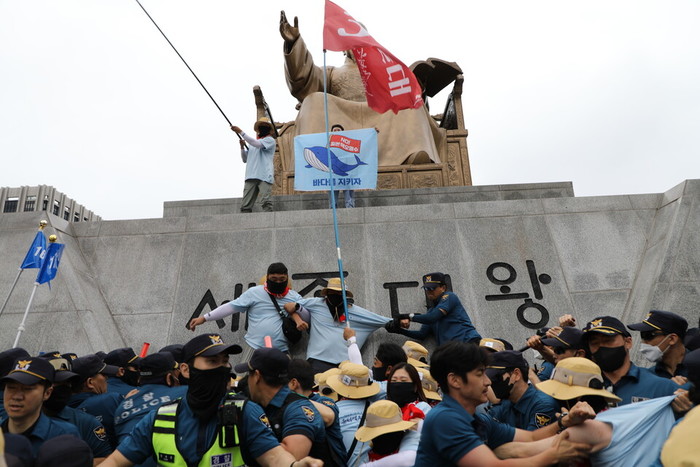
(409, 137)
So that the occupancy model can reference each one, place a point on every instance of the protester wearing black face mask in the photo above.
(522, 405)
(609, 344)
(259, 170)
(405, 389)
(90, 429)
(386, 429)
(388, 355)
(261, 303)
(328, 318)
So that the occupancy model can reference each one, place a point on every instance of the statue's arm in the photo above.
(303, 77)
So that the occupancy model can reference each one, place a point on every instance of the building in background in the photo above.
(44, 198)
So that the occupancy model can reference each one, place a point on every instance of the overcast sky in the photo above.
(94, 102)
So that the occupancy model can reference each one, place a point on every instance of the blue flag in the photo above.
(37, 252)
(352, 157)
(50, 267)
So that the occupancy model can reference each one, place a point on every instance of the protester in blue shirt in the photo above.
(453, 435)
(194, 435)
(27, 386)
(447, 320)
(263, 317)
(609, 344)
(259, 171)
(158, 386)
(522, 405)
(327, 320)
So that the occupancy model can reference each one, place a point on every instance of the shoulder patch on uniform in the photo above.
(445, 297)
(100, 433)
(328, 403)
(308, 413)
(542, 419)
(264, 420)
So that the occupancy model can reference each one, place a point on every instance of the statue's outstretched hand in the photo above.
(289, 33)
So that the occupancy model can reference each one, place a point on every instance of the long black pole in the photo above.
(188, 67)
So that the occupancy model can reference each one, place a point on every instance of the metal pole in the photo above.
(330, 181)
(19, 273)
(188, 67)
(24, 318)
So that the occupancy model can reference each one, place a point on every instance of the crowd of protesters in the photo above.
(473, 400)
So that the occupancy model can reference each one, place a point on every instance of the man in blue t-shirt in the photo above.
(263, 317)
(447, 320)
(259, 171)
(453, 435)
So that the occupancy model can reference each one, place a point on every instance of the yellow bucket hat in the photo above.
(382, 417)
(492, 344)
(353, 382)
(416, 353)
(323, 388)
(430, 386)
(575, 377)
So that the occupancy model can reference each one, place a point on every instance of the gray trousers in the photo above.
(250, 193)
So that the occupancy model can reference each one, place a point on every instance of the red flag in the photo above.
(389, 84)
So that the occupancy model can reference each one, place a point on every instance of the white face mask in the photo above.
(653, 353)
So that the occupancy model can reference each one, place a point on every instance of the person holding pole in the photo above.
(259, 172)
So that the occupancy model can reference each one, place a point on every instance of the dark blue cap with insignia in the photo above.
(61, 365)
(9, 357)
(607, 325)
(504, 359)
(207, 345)
(157, 364)
(568, 338)
(662, 321)
(269, 361)
(122, 357)
(91, 365)
(30, 371)
(433, 280)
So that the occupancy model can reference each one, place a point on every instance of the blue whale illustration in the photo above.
(317, 157)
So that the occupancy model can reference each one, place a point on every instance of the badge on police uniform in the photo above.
(309, 413)
(264, 420)
(100, 433)
(542, 419)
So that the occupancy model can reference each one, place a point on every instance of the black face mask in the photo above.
(379, 373)
(402, 393)
(58, 399)
(276, 287)
(206, 389)
(131, 377)
(335, 305)
(501, 388)
(610, 358)
(387, 443)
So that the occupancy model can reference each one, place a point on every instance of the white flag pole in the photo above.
(24, 318)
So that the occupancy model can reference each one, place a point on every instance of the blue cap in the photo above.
(433, 280)
(663, 321)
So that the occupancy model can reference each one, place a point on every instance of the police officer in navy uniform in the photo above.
(128, 377)
(91, 395)
(7, 363)
(609, 344)
(294, 419)
(158, 385)
(27, 386)
(186, 433)
(522, 405)
(447, 320)
(91, 431)
(662, 334)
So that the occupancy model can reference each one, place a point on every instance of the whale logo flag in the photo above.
(352, 157)
(389, 83)
(50, 267)
(37, 252)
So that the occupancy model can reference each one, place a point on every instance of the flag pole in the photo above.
(20, 329)
(331, 187)
(42, 224)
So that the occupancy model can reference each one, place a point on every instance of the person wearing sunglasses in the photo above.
(662, 334)
(568, 343)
